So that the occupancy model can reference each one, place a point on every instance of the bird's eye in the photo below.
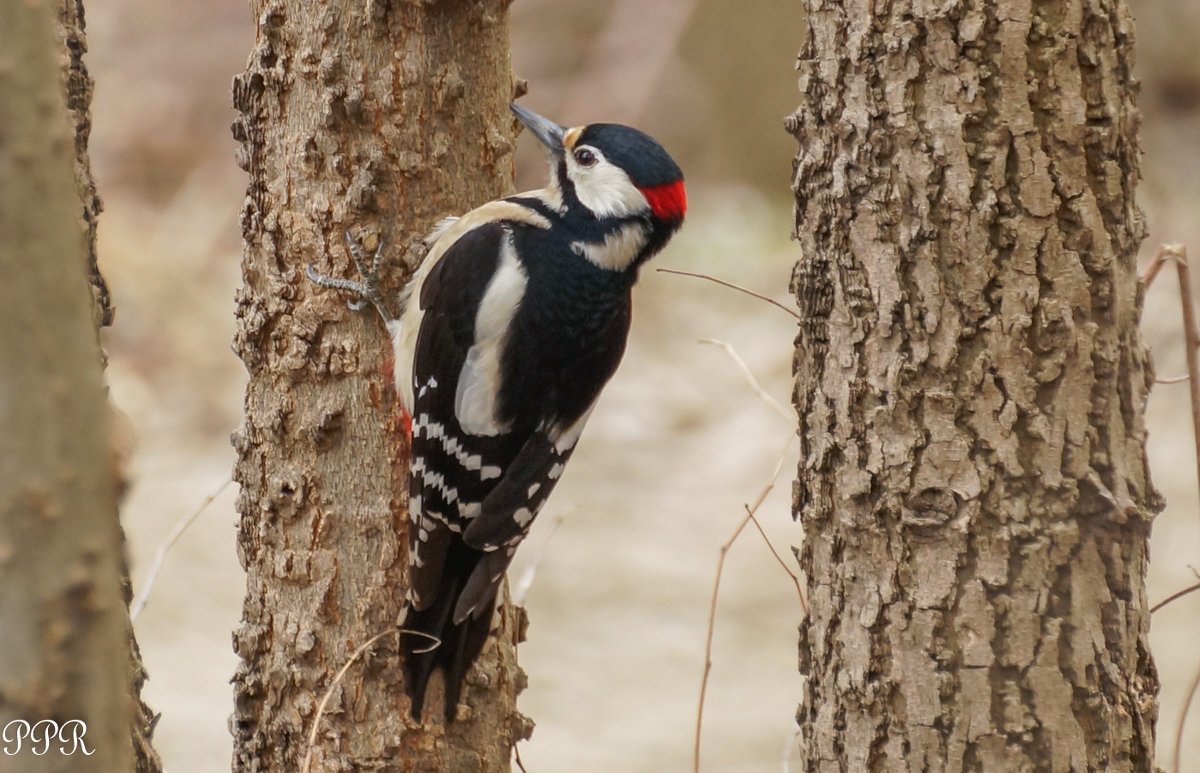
(585, 157)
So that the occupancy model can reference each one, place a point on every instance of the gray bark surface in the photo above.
(971, 382)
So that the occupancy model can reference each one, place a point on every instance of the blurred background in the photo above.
(626, 550)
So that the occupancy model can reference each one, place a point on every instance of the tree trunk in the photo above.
(973, 484)
(378, 118)
(65, 641)
(78, 86)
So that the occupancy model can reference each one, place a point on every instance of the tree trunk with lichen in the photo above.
(973, 482)
(65, 640)
(376, 118)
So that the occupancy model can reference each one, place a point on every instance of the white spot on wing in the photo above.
(523, 517)
(435, 480)
(454, 447)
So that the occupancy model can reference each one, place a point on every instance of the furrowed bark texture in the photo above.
(79, 85)
(64, 640)
(973, 484)
(378, 118)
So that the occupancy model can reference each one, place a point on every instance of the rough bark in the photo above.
(64, 643)
(378, 118)
(78, 84)
(973, 484)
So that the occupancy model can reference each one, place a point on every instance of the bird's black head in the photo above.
(614, 171)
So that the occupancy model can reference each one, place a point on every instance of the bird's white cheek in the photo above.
(607, 191)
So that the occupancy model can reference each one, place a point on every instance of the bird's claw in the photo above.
(367, 290)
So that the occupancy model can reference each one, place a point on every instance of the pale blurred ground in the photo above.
(620, 599)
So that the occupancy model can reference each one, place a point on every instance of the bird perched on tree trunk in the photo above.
(510, 328)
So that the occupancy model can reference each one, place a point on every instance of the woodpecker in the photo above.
(510, 329)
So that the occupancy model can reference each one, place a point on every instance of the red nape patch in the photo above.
(667, 201)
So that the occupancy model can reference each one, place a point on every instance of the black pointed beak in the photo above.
(550, 133)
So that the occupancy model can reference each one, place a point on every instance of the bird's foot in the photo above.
(366, 290)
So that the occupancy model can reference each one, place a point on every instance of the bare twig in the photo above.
(712, 615)
(517, 756)
(1187, 705)
(1191, 329)
(1175, 596)
(1191, 335)
(139, 602)
(787, 749)
(312, 731)
(782, 563)
(731, 285)
(771, 401)
(1155, 266)
(712, 607)
(1172, 380)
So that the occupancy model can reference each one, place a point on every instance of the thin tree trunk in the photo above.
(378, 118)
(64, 642)
(78, 86)
(973, 483)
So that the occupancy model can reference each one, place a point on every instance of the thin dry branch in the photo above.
(732, 286)
(306, 767)
(139, 602)
(712, 615)
(782, 563)
(1191, 329)
(787, 748)
(1155, 266)
(757, 387)
(712, 607)
(1187, 705)
(1174, 597)
(1191, 333)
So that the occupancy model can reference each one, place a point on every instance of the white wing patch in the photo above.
(479, 380)
(448, 230)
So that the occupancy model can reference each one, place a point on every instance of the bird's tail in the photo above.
(436, 642)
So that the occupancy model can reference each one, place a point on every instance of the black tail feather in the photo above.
(456, 645)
